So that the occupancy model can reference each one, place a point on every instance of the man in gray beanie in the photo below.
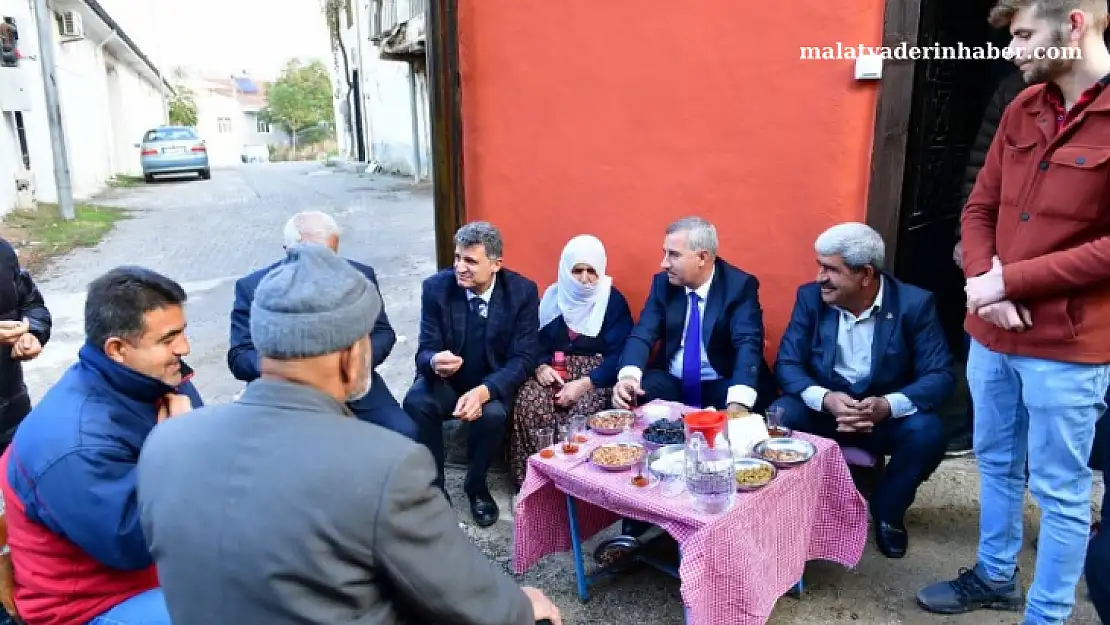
(306, 514)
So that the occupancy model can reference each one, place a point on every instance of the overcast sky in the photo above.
(225, 36)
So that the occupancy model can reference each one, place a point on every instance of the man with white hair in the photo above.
(379, 406)
(711, 358)
(864, 361)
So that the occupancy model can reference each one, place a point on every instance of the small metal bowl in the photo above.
(751, 463)
(610, 431)
(620, 467)
(796, 445)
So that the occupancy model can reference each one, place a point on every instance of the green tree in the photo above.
(183, 105)
(300, 100)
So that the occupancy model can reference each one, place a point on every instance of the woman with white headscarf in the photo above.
(587, 319)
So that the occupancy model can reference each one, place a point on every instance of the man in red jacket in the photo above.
(69, 477)
(1036, 233)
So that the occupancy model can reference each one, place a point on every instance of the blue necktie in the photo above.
(691, 356)
(478, 306)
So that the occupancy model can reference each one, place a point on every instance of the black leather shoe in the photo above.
(892, 541)
(484, 510)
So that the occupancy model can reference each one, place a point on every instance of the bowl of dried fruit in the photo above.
(617, 456)
(753, 473)
(611, 421)
(784, 452)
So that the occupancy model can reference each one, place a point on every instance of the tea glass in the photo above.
(568, 445)
(774, 416)
(581, 432)
(545, 442)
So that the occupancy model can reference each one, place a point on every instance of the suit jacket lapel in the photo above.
(459, 308)
(712, 306)
(676, 318)
(884, 326)
(829, 326)
(495, 315)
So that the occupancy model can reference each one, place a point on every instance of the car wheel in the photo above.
(149, 178)
(206, 174)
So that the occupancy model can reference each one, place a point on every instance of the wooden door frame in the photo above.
(445, 105)
(901, 22)
(894, 104)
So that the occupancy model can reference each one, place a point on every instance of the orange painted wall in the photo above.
(615, 117)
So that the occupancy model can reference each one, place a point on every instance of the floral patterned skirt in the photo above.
(535, 408)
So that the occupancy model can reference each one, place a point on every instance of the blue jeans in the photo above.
(148, 608)
(1044, 411)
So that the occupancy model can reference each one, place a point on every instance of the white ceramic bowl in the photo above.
(656, 412)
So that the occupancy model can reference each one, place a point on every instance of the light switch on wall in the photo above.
(869, 67)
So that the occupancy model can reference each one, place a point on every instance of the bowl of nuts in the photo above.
(753, 473)
(785, 452)
(611, 421)
(617, 456)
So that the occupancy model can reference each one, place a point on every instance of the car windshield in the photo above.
(169, 134)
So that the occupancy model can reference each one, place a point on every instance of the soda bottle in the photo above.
(559, 364)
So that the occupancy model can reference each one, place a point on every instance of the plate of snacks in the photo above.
(617, 456)
(753, 473)
(611, 421)
(785, 452)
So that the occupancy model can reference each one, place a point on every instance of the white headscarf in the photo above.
(582, 307)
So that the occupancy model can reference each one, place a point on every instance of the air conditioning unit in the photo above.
(70, 26)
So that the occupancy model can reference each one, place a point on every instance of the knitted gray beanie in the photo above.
(313, 303)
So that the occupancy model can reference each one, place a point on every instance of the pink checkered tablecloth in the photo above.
(734, 565)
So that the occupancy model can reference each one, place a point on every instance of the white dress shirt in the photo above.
(854, 338)
(738, 393)
(484, 297)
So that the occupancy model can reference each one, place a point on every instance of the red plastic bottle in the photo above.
(559, 364)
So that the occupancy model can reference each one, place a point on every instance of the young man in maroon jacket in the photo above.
(1036, 233)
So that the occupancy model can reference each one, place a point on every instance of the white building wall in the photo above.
(38, 134)
(387, 103)
(104, 110)
(224, 147)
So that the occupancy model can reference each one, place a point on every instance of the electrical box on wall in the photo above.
(15, 92)
(869, 67)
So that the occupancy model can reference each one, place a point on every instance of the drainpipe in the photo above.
(414, 111)
(108, 126)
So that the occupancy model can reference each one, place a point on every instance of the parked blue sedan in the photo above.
(174, 150)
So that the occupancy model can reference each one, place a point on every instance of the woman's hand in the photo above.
(546, 376)
(573, 391)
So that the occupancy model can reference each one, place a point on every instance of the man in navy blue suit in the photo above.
(378, 406)
(712, 358)
(864, 361)
(479, 330)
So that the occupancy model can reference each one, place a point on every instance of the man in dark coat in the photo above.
(25, 325)
(479, 333)
(379, 406)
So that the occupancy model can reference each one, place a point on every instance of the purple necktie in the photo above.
(691, 356)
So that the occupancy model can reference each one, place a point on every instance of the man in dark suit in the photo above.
(379, 406)
(713, 358)
(864, 361)
(479, 328)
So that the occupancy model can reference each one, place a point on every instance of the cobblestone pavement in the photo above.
(207, 234)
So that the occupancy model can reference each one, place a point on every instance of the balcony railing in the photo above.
(387, 14)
